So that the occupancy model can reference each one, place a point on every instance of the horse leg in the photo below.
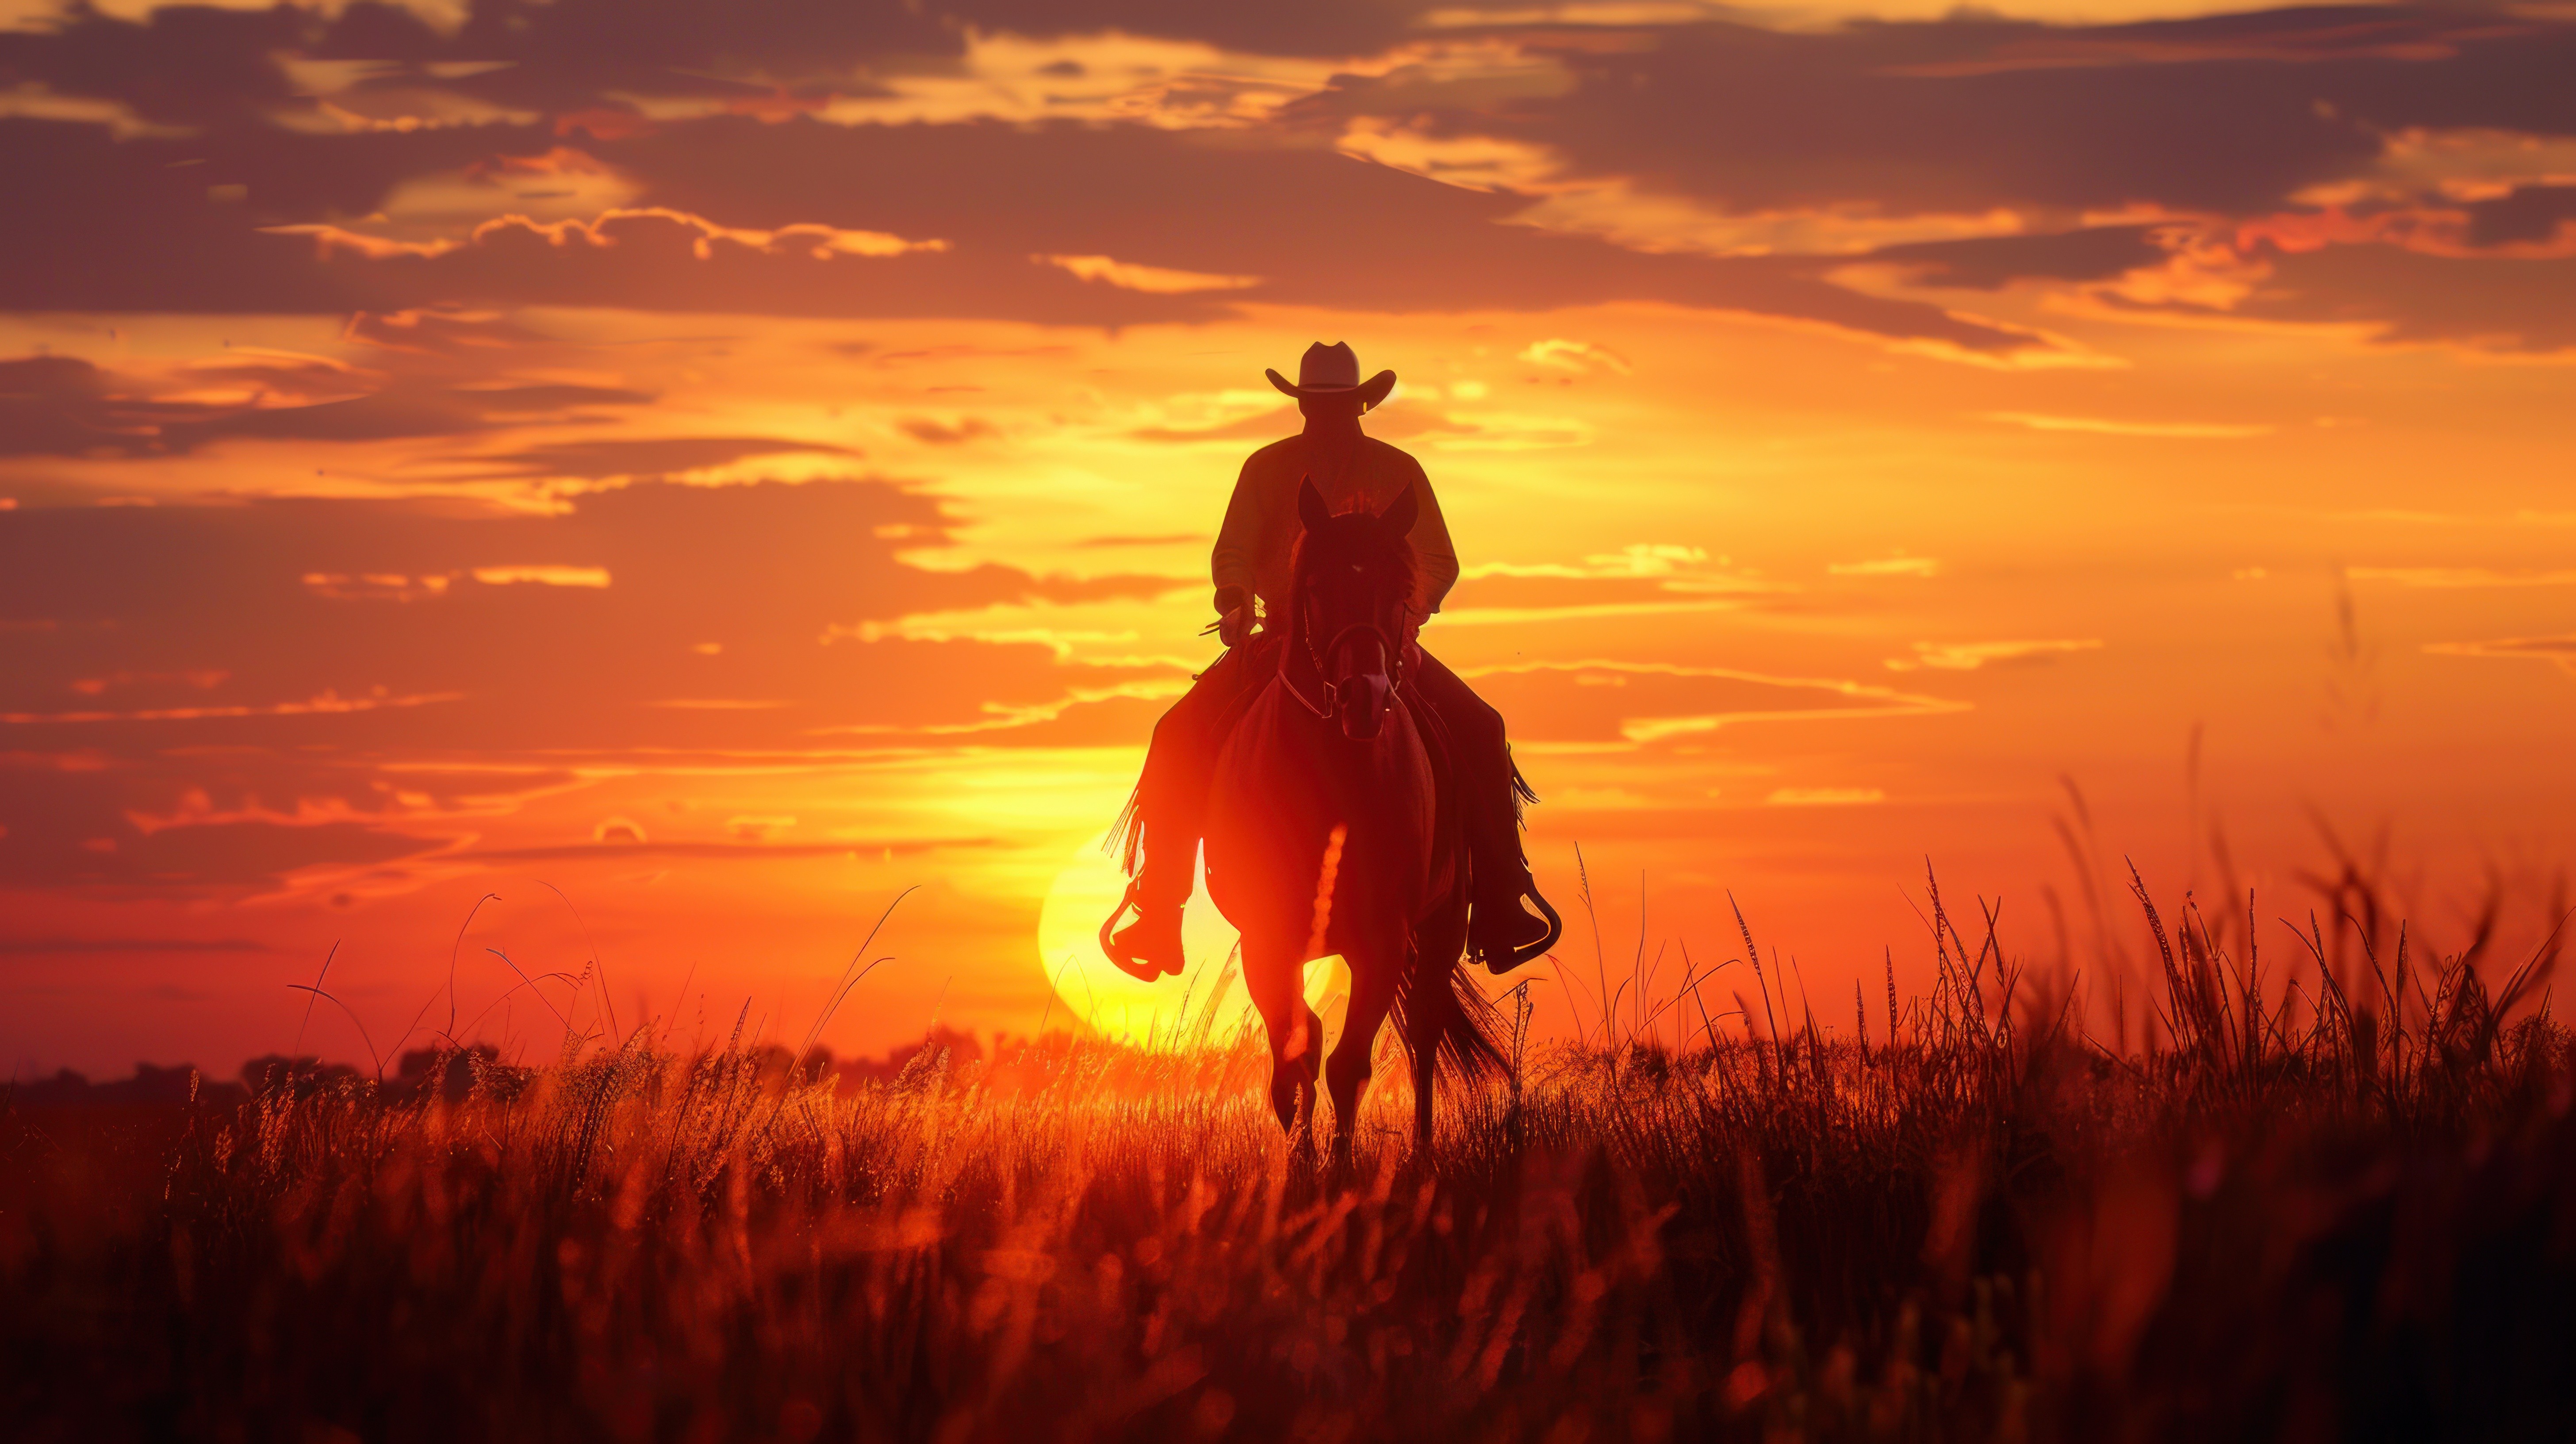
(1373, 980)
(1272, 974)
(1438, 940)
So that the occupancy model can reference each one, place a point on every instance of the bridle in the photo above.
(1332, 702)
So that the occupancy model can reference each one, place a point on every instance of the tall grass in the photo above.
(2341, 1206)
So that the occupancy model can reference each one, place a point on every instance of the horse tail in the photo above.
(1466, 1026)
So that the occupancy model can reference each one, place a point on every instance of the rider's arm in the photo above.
(1433, 555)
(1238, 542)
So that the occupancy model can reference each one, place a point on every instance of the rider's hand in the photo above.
(1412, 645)
(1234, 616)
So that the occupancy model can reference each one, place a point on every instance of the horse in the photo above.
(1329, 830)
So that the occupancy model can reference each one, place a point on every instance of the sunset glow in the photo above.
(694, 483)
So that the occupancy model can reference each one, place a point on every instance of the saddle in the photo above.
(1224, 694)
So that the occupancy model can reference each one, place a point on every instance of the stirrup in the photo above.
(1525, 952)
(1119, 952)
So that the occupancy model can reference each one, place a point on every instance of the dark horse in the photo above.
(1330, 830)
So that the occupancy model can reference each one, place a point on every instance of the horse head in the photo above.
(1354, 584)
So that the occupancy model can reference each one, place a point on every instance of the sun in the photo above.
(1207, 1003)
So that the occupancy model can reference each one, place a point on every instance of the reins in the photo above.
(1332, 695)
(1301, 609)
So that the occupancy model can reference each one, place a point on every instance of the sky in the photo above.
(621, 492)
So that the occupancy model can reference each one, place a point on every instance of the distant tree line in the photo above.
(448, 1071)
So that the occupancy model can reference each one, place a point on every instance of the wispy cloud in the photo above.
(1969, 656)
(1635, 704)
(43, 946)
(328, 703)
(1498, 616)
(546, 576)
(1824, 796)
(1898, 566)
(1683, 564)
(2105, 426)
(1153, 280)
(1565, 355)
(931, 432)
(2447, 577)
(2561, 650)
(1508, 431)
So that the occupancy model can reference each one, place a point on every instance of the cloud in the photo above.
(1625, 705)
(16, 947)
(547, 576)
(1267, 425)
(2330, 133)
(66, 406)
(1577, 356)
(2561, 650)
(1158, 280)
(223, 856)
(1329, 27)
(2100, 426)
(744, 851)
(2400, 296)
(2530, 214)
(248, 723)
(1988, 263)
(647, 456)
(213, 65)
(1971, 656)
(118, 235)
(1899, 566)
(1824, 796)
(2456, 577)
(742, 216)
(1284, 212)
(1642, 579)
(2228, 114)
(182, 64)
(1155, 540)
(939, 433)
(1992, 152)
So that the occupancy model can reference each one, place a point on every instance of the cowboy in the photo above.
(1253, 561)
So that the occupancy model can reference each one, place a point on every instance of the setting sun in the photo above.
(1205, 1004)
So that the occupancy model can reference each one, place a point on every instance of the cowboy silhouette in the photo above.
(1330, 464)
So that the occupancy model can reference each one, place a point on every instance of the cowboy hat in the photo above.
(1333, 371)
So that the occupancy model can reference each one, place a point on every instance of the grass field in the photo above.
(2328, 1200)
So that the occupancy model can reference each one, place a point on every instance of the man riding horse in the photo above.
(1255, 557)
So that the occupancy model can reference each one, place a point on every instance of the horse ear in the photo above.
(1398, 518)
(1310, 506)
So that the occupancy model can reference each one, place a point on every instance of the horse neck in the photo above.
(1301, 652)
(1299, 670)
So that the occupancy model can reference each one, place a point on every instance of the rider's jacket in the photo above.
(1255, 548)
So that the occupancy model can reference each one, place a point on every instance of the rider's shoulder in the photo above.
(1283, 449)
(1390, 452)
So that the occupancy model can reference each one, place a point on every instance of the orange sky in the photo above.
(696, 479)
